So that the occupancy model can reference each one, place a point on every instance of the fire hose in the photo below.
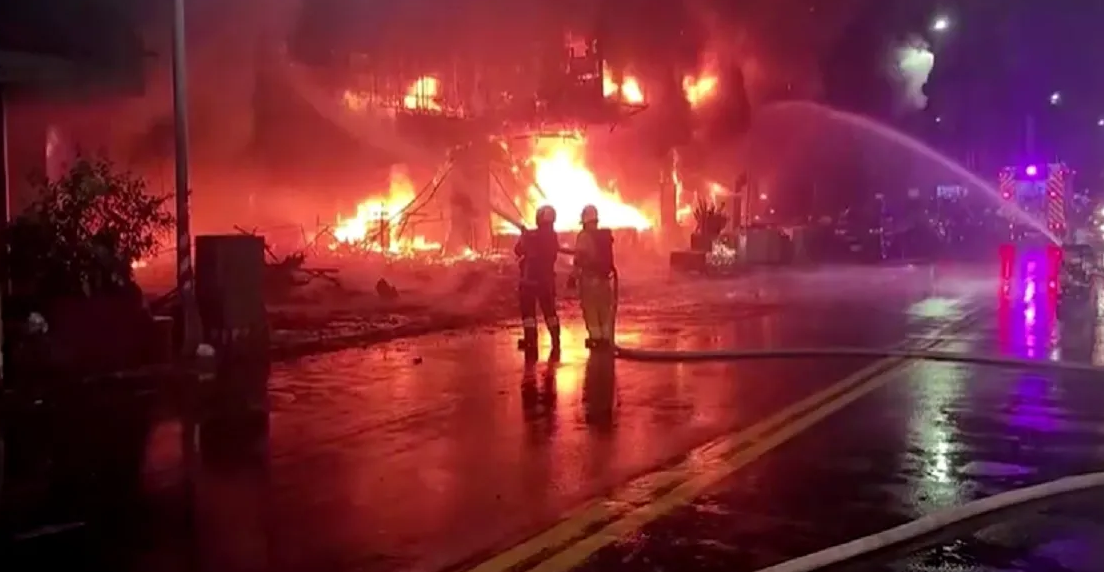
(930, 526)
(651, 355)
(925, 527)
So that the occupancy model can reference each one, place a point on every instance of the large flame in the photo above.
(378, 223)
(561, 173)
(628, 91)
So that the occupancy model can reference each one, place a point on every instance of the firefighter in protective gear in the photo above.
(537, 251)
(594, 273)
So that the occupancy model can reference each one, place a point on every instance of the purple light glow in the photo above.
(1031, 170)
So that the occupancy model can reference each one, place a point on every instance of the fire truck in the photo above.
(1038, 191)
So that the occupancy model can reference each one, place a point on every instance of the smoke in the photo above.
(778, 45)
(913, 63)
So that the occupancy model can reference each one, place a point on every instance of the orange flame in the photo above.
(628, 91)
(686, 200)
(700, 88)
(568, 185)
(423, 94)
(377, 223)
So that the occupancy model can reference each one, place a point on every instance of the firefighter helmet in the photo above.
(546, 215)
(589, 214)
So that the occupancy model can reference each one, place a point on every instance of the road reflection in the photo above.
(231, 493)
(1029, 324)
(539, 396)
(389, 452)
(600, 392)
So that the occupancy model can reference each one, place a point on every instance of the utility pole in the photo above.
(4, 215)
(185, 274)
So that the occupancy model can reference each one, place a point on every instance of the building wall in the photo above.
(26, 153)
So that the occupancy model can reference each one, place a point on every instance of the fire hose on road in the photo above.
(652, 355)
(925, 527)
(935, 523)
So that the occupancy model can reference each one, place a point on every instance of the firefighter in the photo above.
(593, 273)
(537, 251)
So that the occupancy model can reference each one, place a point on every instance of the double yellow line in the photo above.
(649, 497)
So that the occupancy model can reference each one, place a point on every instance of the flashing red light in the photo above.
(1007, 258)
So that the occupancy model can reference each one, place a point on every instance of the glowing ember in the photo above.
(629, 91)
(355, 101)
(423, 94)
(560, 170)
(378, 221)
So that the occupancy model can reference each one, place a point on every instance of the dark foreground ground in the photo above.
(448, 452)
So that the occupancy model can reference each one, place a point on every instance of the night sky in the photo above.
(996, 65)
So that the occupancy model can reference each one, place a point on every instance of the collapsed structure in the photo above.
(509, 136)
(490, 112)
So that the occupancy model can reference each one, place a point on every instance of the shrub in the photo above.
(84, 232)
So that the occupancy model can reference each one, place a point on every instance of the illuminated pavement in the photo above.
(445, 451)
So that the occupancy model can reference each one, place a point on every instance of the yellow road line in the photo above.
(681, 495)
(640, 490)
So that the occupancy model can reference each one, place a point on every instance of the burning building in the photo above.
(350, 113)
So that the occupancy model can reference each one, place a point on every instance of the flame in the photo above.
(568, 185)
(423, 94)
(355, 101)
(700, 88)
(710, 192)
(378, 221)
(685, 208)
(629, 91)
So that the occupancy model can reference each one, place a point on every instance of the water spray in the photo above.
(808, 110)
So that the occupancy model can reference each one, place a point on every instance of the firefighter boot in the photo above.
(528, 341)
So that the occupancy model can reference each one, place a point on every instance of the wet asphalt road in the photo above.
(448, 452)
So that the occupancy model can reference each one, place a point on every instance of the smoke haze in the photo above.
(914, 62)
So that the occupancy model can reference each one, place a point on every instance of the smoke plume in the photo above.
(914, 61)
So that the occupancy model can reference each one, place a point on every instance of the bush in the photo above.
(84, 232)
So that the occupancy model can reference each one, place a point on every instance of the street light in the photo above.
(185, 275)
(1056, 98)
(941, 24)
